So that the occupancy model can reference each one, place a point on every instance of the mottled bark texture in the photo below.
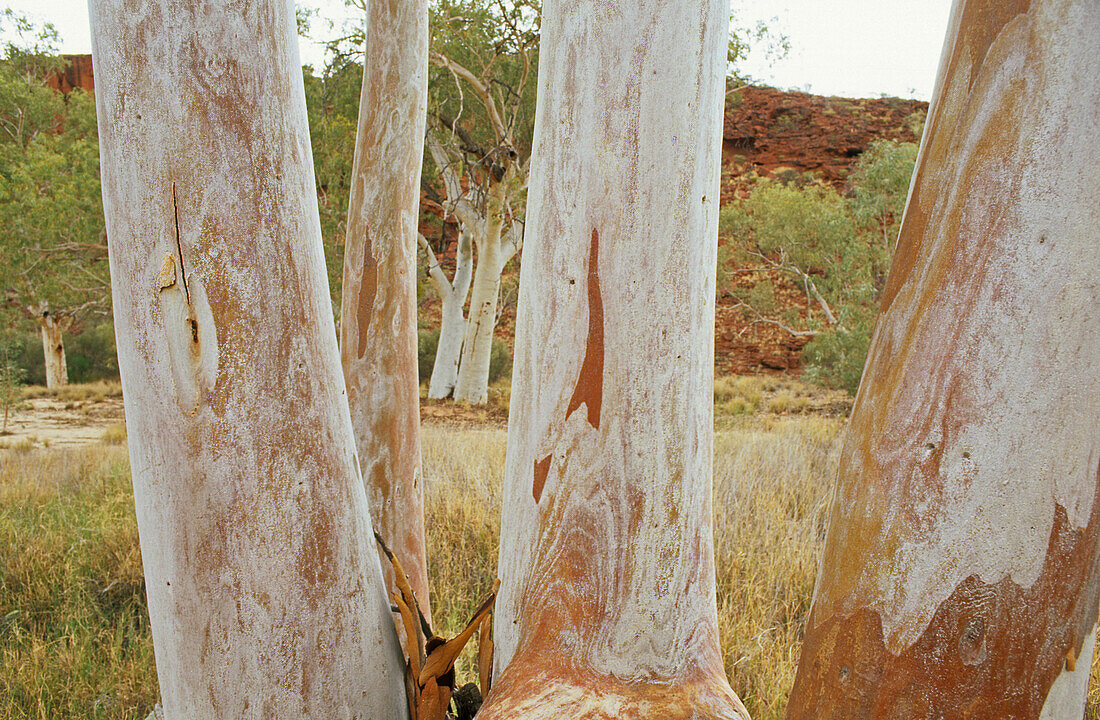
(53, 327)
(959, 578)
(607, 607)
(265, 592)
(378, 315)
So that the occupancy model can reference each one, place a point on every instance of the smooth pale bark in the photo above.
(266, 597)
(452, 323)
(52, 328)
(959, 577)
(477, 347)
(607, 607)
(378, 316)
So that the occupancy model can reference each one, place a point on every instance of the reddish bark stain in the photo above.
(589, 388)
(367, 289)
(990, 652)
(542, 468)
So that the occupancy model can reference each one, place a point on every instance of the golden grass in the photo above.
(76, 392)
(74, 634)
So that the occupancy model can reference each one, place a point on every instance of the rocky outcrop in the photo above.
(774, 133)
(76, 75)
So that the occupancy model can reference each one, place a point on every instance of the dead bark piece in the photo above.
(441, 659)
(264, 590)
(378, 339)
(959, 577)
(607, 605)
(485, 655)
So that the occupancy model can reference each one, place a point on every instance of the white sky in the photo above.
(850, 48)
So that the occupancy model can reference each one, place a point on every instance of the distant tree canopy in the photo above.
(497, 42)
(53, 246)
(836, 250)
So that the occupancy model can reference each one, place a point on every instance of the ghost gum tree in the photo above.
(484, 55)
(959, 577)
(607, 607)
(378, 308)
(265, 591)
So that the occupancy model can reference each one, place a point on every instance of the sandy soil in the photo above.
(47, 421)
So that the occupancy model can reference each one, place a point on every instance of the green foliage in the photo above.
(500, 361)
(834, 250)
(744, 39)
(11, 379)
(52, 238)
(332, 105)
(836, 359)
(427, 341)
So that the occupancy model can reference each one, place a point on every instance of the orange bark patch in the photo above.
(990, 652)
(542, 469)
(589, 388)
(367, 289)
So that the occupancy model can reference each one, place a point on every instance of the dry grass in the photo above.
(74, 635)
(84, 392)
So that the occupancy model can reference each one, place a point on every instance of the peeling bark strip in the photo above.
(378, 312)
(265, 592)
(607, 604)
(589, 388)
(959, 577)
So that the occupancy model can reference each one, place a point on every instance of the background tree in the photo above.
(607, 606)
(52, 242)
(264, 588)
(960, 572)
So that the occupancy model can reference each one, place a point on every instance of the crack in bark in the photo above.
(179, 247)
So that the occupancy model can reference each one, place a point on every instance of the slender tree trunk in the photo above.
(452, 328)
(959, 577)
(452, 325)
(266, 597)
(378, 319)
(607, 607)
(473, 372)
(53, 349)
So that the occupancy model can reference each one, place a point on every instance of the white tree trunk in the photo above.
(452, 325)
(473, 371)
(378, 319)
(960, 573)
(607, 607)
(452, 329)
(53, 349)
(266, 597)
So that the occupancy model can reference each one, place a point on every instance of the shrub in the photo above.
(427, 342)
(836, 359)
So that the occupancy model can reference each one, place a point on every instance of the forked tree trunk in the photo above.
(959, 577)
(378, 318)
(53, 348)
(266, 597)
(607, 608)
(452, 323)
(477, 348)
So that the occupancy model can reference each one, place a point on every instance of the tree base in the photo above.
(590, 695)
